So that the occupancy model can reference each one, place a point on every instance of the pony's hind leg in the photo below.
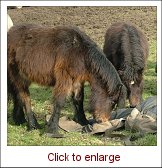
(77, 98)
(31, 119)
(18, 112)
(22, 102)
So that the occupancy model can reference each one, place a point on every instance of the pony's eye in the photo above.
(132, 83)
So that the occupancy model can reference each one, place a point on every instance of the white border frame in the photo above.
(36, 156)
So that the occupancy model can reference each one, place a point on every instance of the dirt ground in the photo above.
(93, 20)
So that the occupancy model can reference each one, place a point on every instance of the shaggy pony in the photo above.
(127, 49)
(62, 58)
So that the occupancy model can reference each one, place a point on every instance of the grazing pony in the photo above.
(127, 49)
(62, 58)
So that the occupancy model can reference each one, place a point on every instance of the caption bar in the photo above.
(56, 157)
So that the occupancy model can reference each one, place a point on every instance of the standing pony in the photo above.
(127, 49)
(62, 58)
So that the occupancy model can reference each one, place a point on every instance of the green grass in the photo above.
(42, 105)
(150, 78)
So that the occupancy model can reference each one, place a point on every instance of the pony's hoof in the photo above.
(33, 127)
(55, 135)
(82, 122)
(19, 119)
(19, 122)
(37, 126)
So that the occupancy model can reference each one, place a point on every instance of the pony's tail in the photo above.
(9, 90)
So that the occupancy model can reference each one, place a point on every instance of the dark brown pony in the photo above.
(127, 49)
(63, 58)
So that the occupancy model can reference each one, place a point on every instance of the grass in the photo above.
(150, 77)
(42, 105)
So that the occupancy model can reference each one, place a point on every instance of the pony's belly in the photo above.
(45, 80)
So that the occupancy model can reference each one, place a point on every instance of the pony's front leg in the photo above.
(77, 98)
(52, 125)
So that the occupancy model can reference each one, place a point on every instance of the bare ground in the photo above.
(93, 20)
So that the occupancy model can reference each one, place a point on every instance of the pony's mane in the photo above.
(98, 64)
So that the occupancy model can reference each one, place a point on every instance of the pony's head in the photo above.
(105, 105)
(134, 84)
